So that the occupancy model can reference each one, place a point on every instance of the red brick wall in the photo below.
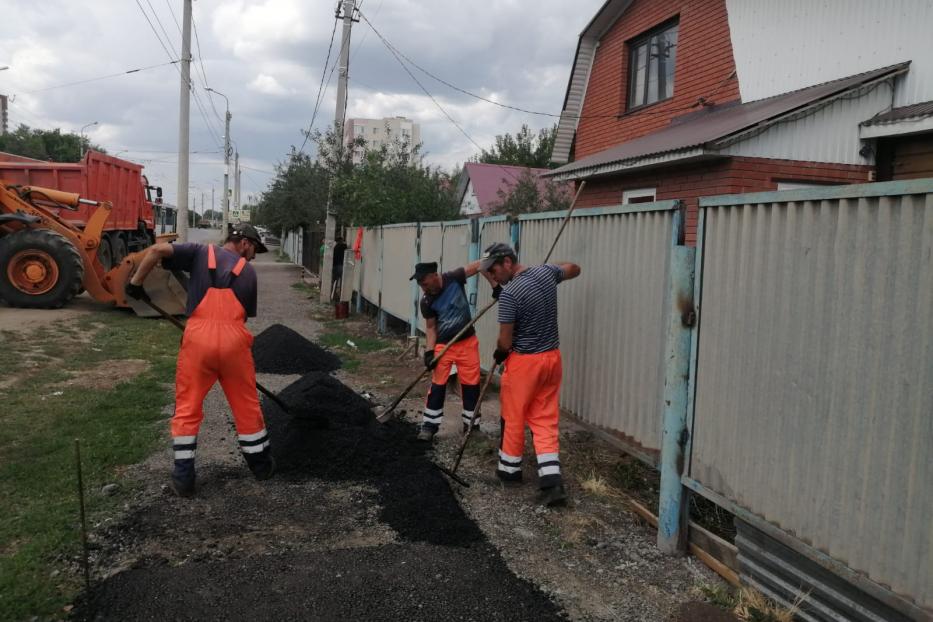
(725, 176)
(704, 64)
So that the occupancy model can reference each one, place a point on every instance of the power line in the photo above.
(431, 97)
(112, 75)
(320, 89)
(168, 39)
(197, 41)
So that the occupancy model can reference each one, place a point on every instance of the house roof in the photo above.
(607, 15)
(489, 179)
(696, 134)
(914, 111)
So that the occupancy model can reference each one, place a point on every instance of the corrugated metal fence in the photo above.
(809, 409)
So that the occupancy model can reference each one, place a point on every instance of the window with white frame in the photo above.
(638, 195)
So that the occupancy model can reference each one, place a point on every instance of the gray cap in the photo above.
(493, 253)
(248, 231)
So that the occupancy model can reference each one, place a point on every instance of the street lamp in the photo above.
(4, 68)
(82, 137)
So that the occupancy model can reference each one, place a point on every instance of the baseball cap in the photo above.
(248, 231)
(493, 253)
(423, 269)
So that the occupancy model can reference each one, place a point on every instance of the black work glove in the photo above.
(137, 291)
(500, 355)
(496, 291)
(429, 359)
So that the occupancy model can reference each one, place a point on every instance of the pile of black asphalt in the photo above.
(440, 565)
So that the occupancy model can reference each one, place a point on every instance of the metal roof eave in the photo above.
(681, 156)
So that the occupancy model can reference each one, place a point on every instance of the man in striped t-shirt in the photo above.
(528, 344)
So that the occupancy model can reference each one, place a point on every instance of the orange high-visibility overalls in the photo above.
(217, 346)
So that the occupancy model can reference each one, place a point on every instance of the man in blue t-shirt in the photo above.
(446, 311)
(528, 345)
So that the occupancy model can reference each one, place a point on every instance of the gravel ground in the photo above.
(359, 525)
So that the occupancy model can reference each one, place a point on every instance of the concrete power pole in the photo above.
(236, 183)
(226, 199)
(330, 227)
(3, 114)
(184, 117)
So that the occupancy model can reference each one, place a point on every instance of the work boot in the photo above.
(509, 480)
(262, 464)
(183, 478)
(553, 496)
(427, 432)
(465, 426)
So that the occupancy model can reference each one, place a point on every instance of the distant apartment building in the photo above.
(379, 132)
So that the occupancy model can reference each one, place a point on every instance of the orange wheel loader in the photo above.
(45, 260)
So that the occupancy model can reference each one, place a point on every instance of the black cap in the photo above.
(423, 269)
(248, 231)
(493, 253)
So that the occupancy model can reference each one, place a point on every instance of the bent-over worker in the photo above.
(222, 293)
(528, 345)
(446, 312)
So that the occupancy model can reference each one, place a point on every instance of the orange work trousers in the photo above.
(465, 355)
(530, 395)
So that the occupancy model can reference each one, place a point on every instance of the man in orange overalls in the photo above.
(528, 345)
(222, 293)
(446, 311)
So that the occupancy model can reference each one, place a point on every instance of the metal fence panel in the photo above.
(487, 328)
(432, 241)
(370, 254)
(813, 403)
(398, 263)
(456, 246)
(612, 322)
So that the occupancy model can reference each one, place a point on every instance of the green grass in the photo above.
(117, 426)
(364, 345)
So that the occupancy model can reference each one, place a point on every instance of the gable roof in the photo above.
(607, 15)
(489, 179)
(701, 133)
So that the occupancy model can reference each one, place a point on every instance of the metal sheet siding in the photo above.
(432, 241)
(611, 317)
(787, 45)
(487, 328)
(576, 91)
(456, 246)
(398, 263)
(371, 250)
(813, 405)
(830, 134)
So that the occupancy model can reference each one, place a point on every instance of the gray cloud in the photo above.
(267, 57)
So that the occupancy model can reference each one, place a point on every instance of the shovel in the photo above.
(384, 415)
(452, 473)
(178, 323)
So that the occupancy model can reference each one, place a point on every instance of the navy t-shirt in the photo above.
(449, 306)
(192, 258)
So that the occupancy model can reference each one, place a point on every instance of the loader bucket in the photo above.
(164, 288)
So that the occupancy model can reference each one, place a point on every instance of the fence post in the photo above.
(473, 283)
(515, 232)
(381, 314)
(413, 318)
(672, 506)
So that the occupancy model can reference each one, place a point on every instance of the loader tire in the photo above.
(39, 269)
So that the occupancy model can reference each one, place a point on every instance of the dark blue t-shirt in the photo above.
(192, 258)
(449, 306)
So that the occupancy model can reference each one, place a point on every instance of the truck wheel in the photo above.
(118, 244)
(105, 253)
(43, 269)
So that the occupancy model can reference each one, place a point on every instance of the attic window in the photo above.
(651, 66)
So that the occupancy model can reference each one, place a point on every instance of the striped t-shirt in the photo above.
(529, 302)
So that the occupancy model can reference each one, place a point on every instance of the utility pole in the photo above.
(226, 199)
(330, 226)
(213, 212)
(236, 182)
(184, 118)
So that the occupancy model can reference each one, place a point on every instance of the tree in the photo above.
(523, 149)
(46, 144)
(531, 194)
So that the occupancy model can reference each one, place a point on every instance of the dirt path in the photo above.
(368, 529)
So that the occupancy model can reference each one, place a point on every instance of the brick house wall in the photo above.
(704, 67)
(726, 176)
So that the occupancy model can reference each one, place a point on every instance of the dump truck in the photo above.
(50, 251)
(135, 214)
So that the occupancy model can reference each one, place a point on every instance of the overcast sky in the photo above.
(268, 57)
